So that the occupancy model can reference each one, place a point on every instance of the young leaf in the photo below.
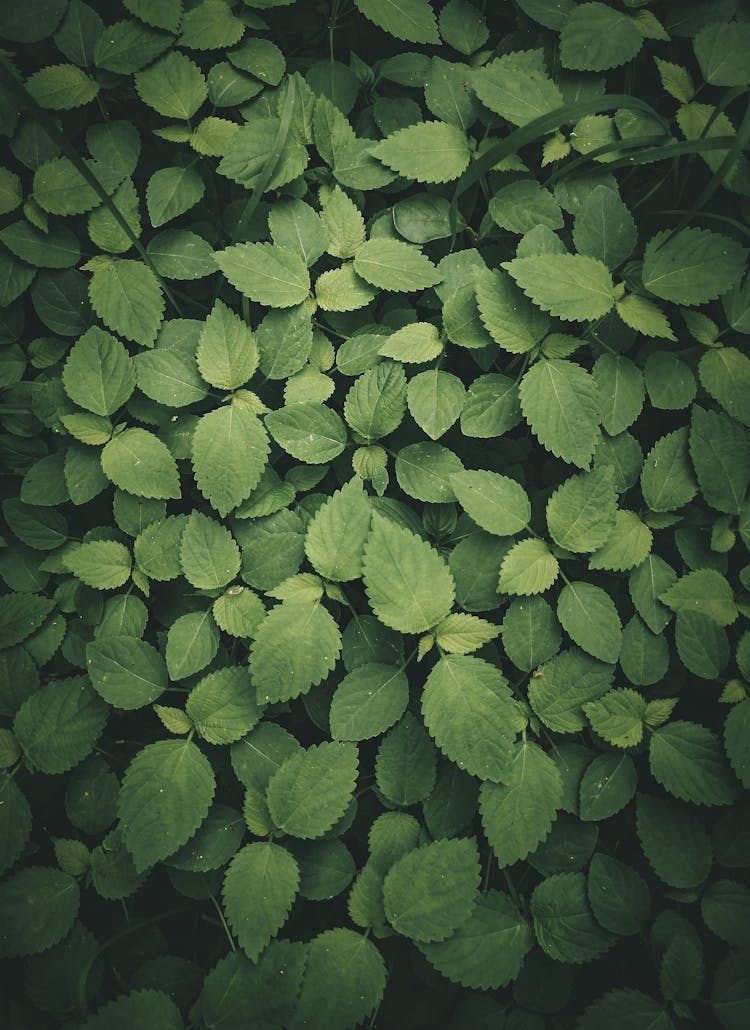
(561, 404)
(392, 265)
(209, 556)
(528, 568)
(496, 86)
(174, 86)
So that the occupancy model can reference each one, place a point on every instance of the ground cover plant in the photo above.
(375, 407)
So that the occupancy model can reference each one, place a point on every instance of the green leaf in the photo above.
(594, 38)
(626, 546)
(432, 890)
(463, 27)
(309, 432)
(411, 20)
(166, 792)
(209, 556)
(669, 381)
(705, 592)
(693, 266)
(528, 568)
(560, 402)
(157, 548)
(468, 708)
(702, 644)
(343, 225)
(533, 785)
(435, 401)
(565, 928)
(523, 205)
(57, 726)
(38, 906)
(336, 537)
(724, 908)
(229, 453)
(644, 657)
(567, 682)
(721, 50)
(531, 633)
(344, 981)
(588, 615)
(607, 785)
(169, 376)
(674, 841)
(139, 463)
(127, 297)
(15, 823)
(687, 760)
(137, 1008)
(222, 706)
(369, 700)
(618, 717)
(61, 87)
(427, 152)
(604, 228)
(461, 634)
(581, 512)
(174, 86)
(572, 287)
(171, 192)
(260, 886)
(496, 85)
(126, 671)
(297, 227)
(667, 479)
(295, 648)
(720, 452)
(265, 273)
(102, 564)
(736, 741)
(312, 789)
(405, 767)
(621, 391)
(416, 342)
(392, 265)
(725, 373)
(408, 584)
(618, 895)
(626, 1009)
(496, 503)
(192, 642)
(487, 951)
(513, 322)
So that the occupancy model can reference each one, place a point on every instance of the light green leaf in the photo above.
(595, 37)
(209, 26)
(532, 785)
(181, 254)
(139, 463)
(725, 373)
(604, 228)
(166, 792)
(265, 273)
(127, 297)
(667, 479)
(102, 564)
(254, 145)
(693, 266)
(523, 205)
(336, 536)
(565, 928)
(487, 951)
(157, 548)
(169, 376)
(171, 192)
(343, 224)
(528, 568)
(57, 726)
(674, 841)
(260, 886)
(705, 592)
(627, 545)
(531, 633)
(408, 584)
(573, 287)
(310, 432)
(312, 789)
(297, 227)
(669, 381)
(581, 512)
(720, 452)
(435, 400)
(229, 452)
(618, 717)
(459, 633)
(491, 407)
(126, 671)
(621, 391)
(411, 20)
(497, 86)
(644, 316)
(588, 615)
(513, 322)
(395, 266)
(368, 701)
(469, 710)
(261, 58)
(432, 890)
(341, 289)
(192, 642)
(687, 760)
(376, 403)
(296, 646)
(174, 86)
(61, 87)
(209, 556)
(344, 981)
(496, 503)
(427, 152)
(561, 404)
(38, 906)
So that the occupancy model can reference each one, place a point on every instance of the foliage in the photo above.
(374, 416)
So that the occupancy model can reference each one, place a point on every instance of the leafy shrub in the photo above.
(375, 409)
